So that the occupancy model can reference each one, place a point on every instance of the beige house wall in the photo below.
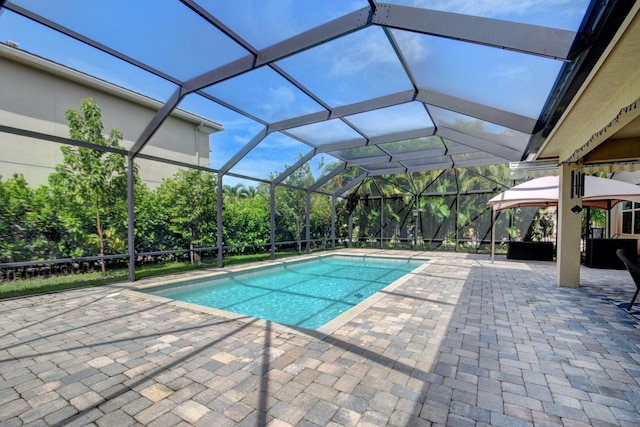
(616, 211)
(36, 93)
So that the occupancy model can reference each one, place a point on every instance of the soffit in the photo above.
(605, 106)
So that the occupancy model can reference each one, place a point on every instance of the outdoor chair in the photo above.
(630, 260)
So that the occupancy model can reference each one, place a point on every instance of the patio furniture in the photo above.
(601, 253)
(538, 251)
(630, 260)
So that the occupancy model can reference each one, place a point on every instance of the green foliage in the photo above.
(151, 232)
(92, 184)
(239, 191)
(541, 228)
(432, 195)
(52, 284)
(290, 204)
(22, 238)
(597, 217)
(83, 212)
(188, 206)
(246, 222)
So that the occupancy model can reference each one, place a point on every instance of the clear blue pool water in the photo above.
(307, 293)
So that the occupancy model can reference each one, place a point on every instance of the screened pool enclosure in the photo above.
(345, 123)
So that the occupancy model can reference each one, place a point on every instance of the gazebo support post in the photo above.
(608, 219)
(494, 215)
(587, 226)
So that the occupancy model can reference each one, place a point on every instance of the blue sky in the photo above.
(362, 65)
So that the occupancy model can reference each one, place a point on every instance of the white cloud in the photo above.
(280, 141)
(284, 101)
(258, 168)
(242, 139)
(515, 73)
(413, 46)
(282, 94)
(373, 49)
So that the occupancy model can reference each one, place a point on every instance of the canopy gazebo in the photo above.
(544, 191)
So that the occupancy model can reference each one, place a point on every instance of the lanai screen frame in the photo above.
(578, 50)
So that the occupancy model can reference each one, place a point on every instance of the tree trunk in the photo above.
(103, 268)
(298, 236)
(195, 256)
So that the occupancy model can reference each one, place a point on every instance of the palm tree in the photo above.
(239, 191)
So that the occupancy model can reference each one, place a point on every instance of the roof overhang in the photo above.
(602, 123)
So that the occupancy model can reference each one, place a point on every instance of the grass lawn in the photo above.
(57, 283)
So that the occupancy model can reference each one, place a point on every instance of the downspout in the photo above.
(197, 140)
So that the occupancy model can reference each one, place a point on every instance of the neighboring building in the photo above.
(35, 93)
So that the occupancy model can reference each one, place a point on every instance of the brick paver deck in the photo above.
(464, 342)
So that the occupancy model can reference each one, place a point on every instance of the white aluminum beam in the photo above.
(402, 136)
(509, 154)
(343, 145)
(430, 152)
(433, 167)
(346, 110)
(479, 111)
(532, 39)
(398, 136)
(316, 36)
(388, 171)
(368, 160)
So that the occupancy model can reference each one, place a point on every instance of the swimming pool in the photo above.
(307, 293)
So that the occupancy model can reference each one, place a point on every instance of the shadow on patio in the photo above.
(463, 341)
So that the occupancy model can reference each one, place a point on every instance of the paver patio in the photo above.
(464, 342)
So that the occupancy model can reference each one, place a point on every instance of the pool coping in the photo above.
(137, 289)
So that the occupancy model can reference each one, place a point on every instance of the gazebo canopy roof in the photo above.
(598, 192)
